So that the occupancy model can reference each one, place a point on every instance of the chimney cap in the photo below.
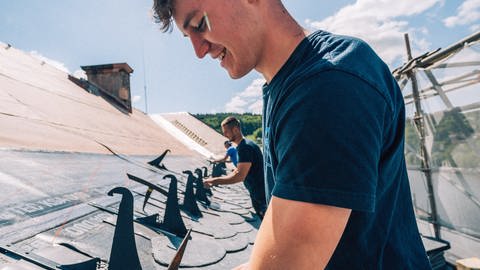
(112, 67)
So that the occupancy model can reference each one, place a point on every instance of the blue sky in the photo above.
(89, 32)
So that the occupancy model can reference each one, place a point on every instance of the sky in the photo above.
(69, 34)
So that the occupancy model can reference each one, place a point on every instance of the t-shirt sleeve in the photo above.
(245, 154)
(231, 151)
(328, 139)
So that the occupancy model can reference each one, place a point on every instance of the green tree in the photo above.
(453, 130)
(250, 122)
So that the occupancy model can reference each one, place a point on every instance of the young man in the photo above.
(333, 126)
(230, 155)
(249, 168)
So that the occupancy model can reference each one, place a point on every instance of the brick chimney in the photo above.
(114, 79)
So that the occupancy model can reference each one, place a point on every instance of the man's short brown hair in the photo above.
(162, 13)
(231, 122)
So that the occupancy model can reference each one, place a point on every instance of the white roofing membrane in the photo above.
(179, 135)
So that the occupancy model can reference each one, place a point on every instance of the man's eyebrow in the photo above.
(189, 17)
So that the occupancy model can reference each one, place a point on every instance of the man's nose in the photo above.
(200, 45)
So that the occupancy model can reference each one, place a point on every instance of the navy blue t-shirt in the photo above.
(334, 134)
(248, 151)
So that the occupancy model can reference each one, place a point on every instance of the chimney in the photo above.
(114, 80)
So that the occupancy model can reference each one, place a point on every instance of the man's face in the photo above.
(230, 133)
(225, 29)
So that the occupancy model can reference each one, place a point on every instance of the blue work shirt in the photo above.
(232, 153)
(333, 126)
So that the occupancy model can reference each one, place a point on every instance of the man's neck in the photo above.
(282, 38)
(239, 140)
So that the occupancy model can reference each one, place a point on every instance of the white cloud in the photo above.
(381, 23)
(136, 99)
(80, 74)
(249, 100)
(58, 65)
(257, 106)
(468, 12)
(236, 104)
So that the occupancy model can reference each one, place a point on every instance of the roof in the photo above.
(41, 109)
(64, 150)
(42, 217)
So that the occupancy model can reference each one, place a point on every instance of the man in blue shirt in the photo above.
(333, 125)
(230, 155)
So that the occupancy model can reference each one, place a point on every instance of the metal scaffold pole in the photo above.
(419, 124)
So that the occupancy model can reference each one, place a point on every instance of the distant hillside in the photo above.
(251, 123)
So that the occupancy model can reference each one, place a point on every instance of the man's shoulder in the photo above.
(319, 52)
(343, 54)
(342, 58)
(323, 50)
(247, 145)
(251, 143)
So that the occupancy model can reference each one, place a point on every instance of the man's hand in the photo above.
(237, 176)
(211, 160)
(209, 182)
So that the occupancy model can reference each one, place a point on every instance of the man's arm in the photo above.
(297, 235)
(238, 175)
(224, 159)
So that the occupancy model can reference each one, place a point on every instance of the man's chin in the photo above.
(236, 75)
